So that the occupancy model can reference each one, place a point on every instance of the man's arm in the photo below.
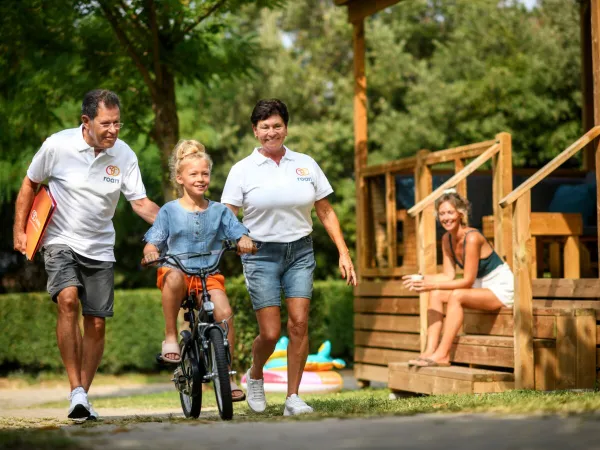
(22, 208)
(145, 208)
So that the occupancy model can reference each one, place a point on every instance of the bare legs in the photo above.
(269, 329)
(456, 300)
(81, 355)
(297, 350)
(174, 290)
(269, 323)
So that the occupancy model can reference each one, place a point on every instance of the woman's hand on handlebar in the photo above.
(150, 258)
(245, 245)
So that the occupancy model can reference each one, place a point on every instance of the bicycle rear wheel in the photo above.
(191, 393)
(218, 367)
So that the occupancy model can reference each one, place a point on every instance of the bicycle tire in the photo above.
(217, 356)
(191, 401)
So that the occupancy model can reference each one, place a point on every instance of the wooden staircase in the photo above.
(564, 338)
(484, 363)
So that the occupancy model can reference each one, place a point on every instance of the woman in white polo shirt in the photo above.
(277, 189)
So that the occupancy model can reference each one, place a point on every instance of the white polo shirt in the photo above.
(86, 189)
(277, 199)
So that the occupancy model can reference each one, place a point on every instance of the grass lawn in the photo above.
(375, 402)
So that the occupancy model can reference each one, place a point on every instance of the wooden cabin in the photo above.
(549, 340)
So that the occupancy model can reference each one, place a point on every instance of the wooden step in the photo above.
(382, 348)
(447, 380)
(485, 350)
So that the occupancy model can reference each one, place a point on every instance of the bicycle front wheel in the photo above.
(217, 359)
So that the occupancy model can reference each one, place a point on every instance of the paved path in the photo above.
(431, 432)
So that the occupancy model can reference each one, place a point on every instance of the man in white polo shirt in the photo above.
(87, 168)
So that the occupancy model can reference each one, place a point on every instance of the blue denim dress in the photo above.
(179, 231)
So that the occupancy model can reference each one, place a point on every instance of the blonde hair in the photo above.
(186, 149)
(461, 204)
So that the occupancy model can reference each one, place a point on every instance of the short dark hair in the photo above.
(266, 108)
(91, 101)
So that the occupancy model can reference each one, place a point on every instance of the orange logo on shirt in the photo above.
(113, 171)
(302, 172)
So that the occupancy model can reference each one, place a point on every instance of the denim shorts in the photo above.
(94, 279)
(277, 267)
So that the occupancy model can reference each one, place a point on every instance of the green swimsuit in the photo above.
(486, 265)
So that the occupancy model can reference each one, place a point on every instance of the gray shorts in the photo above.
(95, 280)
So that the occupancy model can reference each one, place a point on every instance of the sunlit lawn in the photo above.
(375, 402)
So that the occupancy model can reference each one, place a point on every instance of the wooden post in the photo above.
(587, 80)
(502, 186)
(392, 219)
(523, 308)
(426, 242)
(566, 351)
(586, 348)
(571, 258)
(360, 141)
(461, 187)
(595, 24)
(366, 240)
(554, 260)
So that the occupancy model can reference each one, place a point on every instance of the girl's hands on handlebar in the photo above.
(245, 245)
(150, 258)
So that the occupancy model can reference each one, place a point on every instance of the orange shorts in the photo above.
(216, 281)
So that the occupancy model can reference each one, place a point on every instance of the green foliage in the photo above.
(481, 67)
(28, 332)
(440, 73)
(134, 334)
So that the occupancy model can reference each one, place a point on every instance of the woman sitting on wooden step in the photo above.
(487, 282)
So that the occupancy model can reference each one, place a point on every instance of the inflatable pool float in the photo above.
(321, 361)
(312, 382)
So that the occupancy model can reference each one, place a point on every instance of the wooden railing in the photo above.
(522, 261)
(379, 249)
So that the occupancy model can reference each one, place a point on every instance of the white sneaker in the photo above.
(256, 394)
(294, 405)
(80, 407)
(93, 414)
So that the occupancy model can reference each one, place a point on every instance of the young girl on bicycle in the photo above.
(192, 224)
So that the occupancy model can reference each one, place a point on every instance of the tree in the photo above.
(139, 48)
(489, 66)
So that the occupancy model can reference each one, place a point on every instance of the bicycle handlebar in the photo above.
(227, 246)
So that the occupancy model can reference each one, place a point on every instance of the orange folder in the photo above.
(39, 217)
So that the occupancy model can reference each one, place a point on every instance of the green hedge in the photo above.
(134, 334)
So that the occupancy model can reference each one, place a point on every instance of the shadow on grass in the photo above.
(39, 439)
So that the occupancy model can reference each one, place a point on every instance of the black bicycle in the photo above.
(204, 348)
